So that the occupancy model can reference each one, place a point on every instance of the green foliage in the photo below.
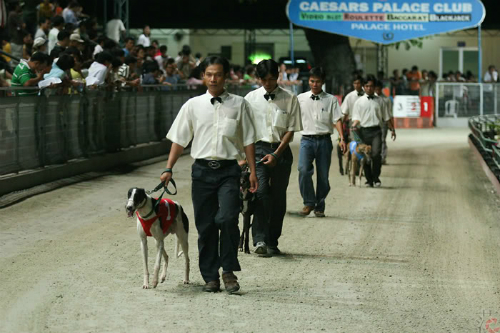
(408, 44)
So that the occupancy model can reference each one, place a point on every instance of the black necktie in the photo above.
(315, 98)
(271, 96)
(370, 96)
(361, 93)
(218, 99)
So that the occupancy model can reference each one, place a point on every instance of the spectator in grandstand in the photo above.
(43, 28)
(45, 10)
(250, 77)
(76, 41)
(150, 53)
(99, 46)
(29, 73)
(127, 72)
(62, 42)
(197, 58)
(414, 77)
(459, 77)
(144, 37)
(404, 76)
(70, 12)
(185, 65)
(16, 28)
(161, 59)
(469, 77)
(60, 67)
(57, 27)
(99, 69)
(491, 75)
(171, 75)
(115, 29)
(40, 45)
(27, 46)
(152, 73)
(76, 71)
(129, 46)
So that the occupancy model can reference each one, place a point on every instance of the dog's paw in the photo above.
(155, 283)
(145, 286)
(163, 279)
(186, 281)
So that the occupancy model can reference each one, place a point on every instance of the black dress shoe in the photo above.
(212, 286)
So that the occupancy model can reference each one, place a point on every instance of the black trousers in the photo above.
(270, 208)
(373, 136)
(216, 203)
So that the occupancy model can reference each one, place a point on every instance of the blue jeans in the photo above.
(319, 149)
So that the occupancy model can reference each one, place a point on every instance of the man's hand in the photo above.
(165, 177)
(254, 183)
(393, 135)
(270, 160)
(343, 146)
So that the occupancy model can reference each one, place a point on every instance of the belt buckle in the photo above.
(214, 165)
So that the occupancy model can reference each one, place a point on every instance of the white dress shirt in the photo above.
(319, 116)
(114, 28)
(52, 39)
(369, 112)
(349, 100)
(144, 40)
(97, 74)
(274, 117)
(219, 131)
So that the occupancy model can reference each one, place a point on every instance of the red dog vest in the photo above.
(166, 214)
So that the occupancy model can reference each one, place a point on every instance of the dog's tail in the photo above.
(185, 224)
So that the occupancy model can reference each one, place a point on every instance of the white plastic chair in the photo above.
(451, 108)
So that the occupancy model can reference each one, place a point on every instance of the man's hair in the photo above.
(42, 20)
(65, 62)
(318, 72)
(266, 67)
(109, 44)
(116, 62)
(73, 4)
(150, 66)
(57, 21)
(62, 35)
(371, 78)
(215, 60)
(433, 74)
(130, 60)
(56, 51)
(170, 61)
(163, 48)
(74, 52)
(414, 68)
(358, 78)
(104, 56)
(378, 84)
(41, 58)
(116, 52)
(129, 38)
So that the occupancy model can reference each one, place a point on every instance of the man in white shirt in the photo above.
(115, 29)
(222, 130)
(370, 116)
(99, 69)
(320, 113)
(144, 37)
(276, 114)
(43, 28)
(386, 104)
(57, 26)
(352, 97)
(491, 75)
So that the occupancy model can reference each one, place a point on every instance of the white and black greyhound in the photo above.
(158, 218)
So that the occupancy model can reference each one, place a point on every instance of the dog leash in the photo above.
(156, 189)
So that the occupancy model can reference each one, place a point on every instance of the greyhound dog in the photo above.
(158, 219)
(247, 208)
(357, 155)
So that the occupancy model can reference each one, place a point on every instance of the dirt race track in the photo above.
(419, 254)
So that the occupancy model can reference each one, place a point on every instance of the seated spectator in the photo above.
(491, 75)
(469, 77)
(127, 72)
(99, 69)
(62, 41)
(129, 46)
(57, 27)
(185, 65)
(76, 71)
(46, 10)
(40, 45)
(60, 66)
(414, 77)
(29, 73)
(194, 80)
(27, 46)
(150, 53)
(43, 28)
(197, 58)
(76, 41)
(459, 77)
(100, 43)
(144, 37)
(249, 76)
(151, 74)
(161, 59)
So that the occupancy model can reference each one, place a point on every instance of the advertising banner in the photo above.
(386, 21)
(406, 106)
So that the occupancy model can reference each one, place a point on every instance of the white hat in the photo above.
(76, 37)
(39, 41)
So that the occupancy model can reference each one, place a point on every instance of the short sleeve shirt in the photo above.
(219, 131)
(349, 100)
(23, 73)
(274, 117)
(369, 112)
(318, 115)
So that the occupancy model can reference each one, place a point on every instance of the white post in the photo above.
(481, 98)
(436, 107)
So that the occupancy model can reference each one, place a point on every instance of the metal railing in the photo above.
(484, 129)
(50, 128)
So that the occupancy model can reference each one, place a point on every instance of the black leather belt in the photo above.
(318, 136)
(273, 145)
(215, 164)
(371, 128)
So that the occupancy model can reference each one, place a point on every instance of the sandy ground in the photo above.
(418, 255)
